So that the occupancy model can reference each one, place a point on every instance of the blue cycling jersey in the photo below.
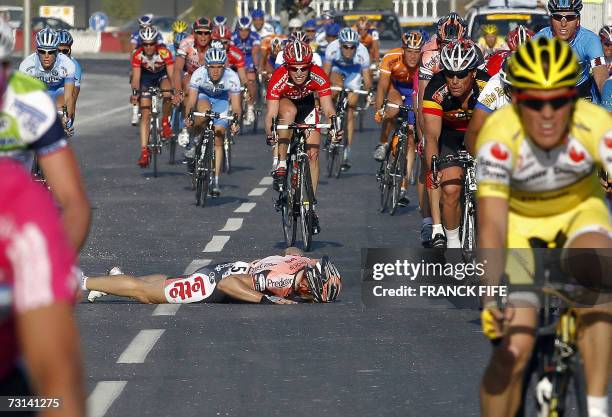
(78, 72)
(246, 45)
(586, 45)
(606, 95)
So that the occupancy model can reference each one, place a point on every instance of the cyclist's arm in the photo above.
(272, 107)
(367, 78)
(240, 287)
(192, 99)
(256, 56)
(69, 98)
(170, 71)
(479, 116)
(62, 174)
(242, 75)
(136, 73)
(327, 105)
(432, 129)
(600, 75)
(179, 66)
(375, 51)
(235, 101)
(384, 81)
(327, 66)
(421, 121)
(49, 340)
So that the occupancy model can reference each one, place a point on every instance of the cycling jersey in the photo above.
(403, 79)
(606, 95)
(492, 96)
(587, 46)
(62, 71)
(217, 94)
(265, 31)
(246, 46)
(276, 274)
(137, 42)
(430, 59)
(366, 40)
(193, 58)
(235, 58)
(438, 101)
(495, 61)
(36, 259)
(28, 120)
(500, 44)
(537, 182)
(281, 86)
(359, 62)
(156, 63)
(78, 72)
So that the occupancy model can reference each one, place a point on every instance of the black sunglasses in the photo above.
(459, 74)
(202, 32)
(568, 17)
(349, 46)
(149, 43)
(538, 104)
(47, 52)
(64, 51)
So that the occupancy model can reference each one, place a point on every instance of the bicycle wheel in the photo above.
(330, 160)
(153, 144)
(386, 181)
(397, 176)
(416, 169)
(175, 131)
(468, 227)
(227, 156)
(288, 213)
(361, 120)
(306, 211)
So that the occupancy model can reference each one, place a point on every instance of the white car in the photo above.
(13, 14)
(506, 19)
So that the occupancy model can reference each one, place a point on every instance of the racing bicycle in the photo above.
(468, 197)
(296, 196)
(204, 155)
(177, 125)
(335, 151)
(155, 144)
(392, 169)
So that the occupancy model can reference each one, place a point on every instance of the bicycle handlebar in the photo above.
(304, 126)
(398, 106)
(463, 158)
(214, 115)
(350, 90)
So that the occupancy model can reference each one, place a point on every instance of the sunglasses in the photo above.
(202, 32)
(568, 17)
(303, 68)
(65, 51)
(348, 46)
(536, 103)
(459, 74)
(47, 52)
(149, 44)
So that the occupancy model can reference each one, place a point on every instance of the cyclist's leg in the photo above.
(313, 142)
(352, 81)
(287, 112)
(147, 289)
(219, 137)
(145, 119)
(203, 104)
(167, 102)
(336, 79)
(451, 192)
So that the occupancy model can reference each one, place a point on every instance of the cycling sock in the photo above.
(347, 152)
(452, 238)
(437, 230)
(598, 406)
(282, 164)
(427, 220)
(274, 162)
(216, 180)
(84, 283)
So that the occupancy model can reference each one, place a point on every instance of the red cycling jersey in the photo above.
(235, 57)
(495, 61)
(276, 274)
(280, 85)
(35, 258)
(156, 63)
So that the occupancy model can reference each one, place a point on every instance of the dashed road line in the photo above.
(103, 396)
(232, 225)
(216, 244)
(266, 181)
(245, 208)
(166, 310)
(195, 265)
(141, 345)
(101, 116)
(256, 192)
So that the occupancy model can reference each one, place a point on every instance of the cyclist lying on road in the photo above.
(276, 279)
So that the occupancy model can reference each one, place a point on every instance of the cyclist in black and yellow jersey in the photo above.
(448, 102)
(537, 162)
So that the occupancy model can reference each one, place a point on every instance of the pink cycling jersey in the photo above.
(188, 50)
(276, 274)
(430, 59)
(35, 258)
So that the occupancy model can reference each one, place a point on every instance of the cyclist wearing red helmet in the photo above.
(190, 55)
(291, 98)
(605, 35)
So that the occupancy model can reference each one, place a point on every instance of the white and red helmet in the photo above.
(297, 53)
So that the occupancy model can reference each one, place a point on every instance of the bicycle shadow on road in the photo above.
(223, 200)
(149, 175)
(316, 245)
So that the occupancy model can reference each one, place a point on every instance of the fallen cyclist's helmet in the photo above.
(324, 281)
(543, 64)
(148, 34)
(47, 39)
(64, 37)
(215, 56)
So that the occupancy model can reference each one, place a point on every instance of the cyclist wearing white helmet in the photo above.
(215, 87)
(144, 21)
(56, 70)
(152, 66)
(65, 47)
(279, 279)
(448, 102)
(36, 130)
(348, 64)
(565, 25)
(249, 43)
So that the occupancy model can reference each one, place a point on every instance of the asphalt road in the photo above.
(251, 360)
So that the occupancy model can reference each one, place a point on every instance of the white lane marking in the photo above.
(255, 192)
(216, 243)
(101, 116)
(195, 265)
(103, 396)
(166, 310)
(233, 224)
(245, 208)
(139, 348)
(266, 181)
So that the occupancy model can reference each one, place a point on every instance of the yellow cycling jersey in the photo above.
(536, 182)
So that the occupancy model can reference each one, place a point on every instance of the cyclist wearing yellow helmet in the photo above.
(491, 42)
(537, 161)
(179, 32)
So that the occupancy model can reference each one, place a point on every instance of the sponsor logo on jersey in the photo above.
(31, 116)
(317, 78)
(576, 155)
(499, 153)
(279, 283)
(164, 53)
